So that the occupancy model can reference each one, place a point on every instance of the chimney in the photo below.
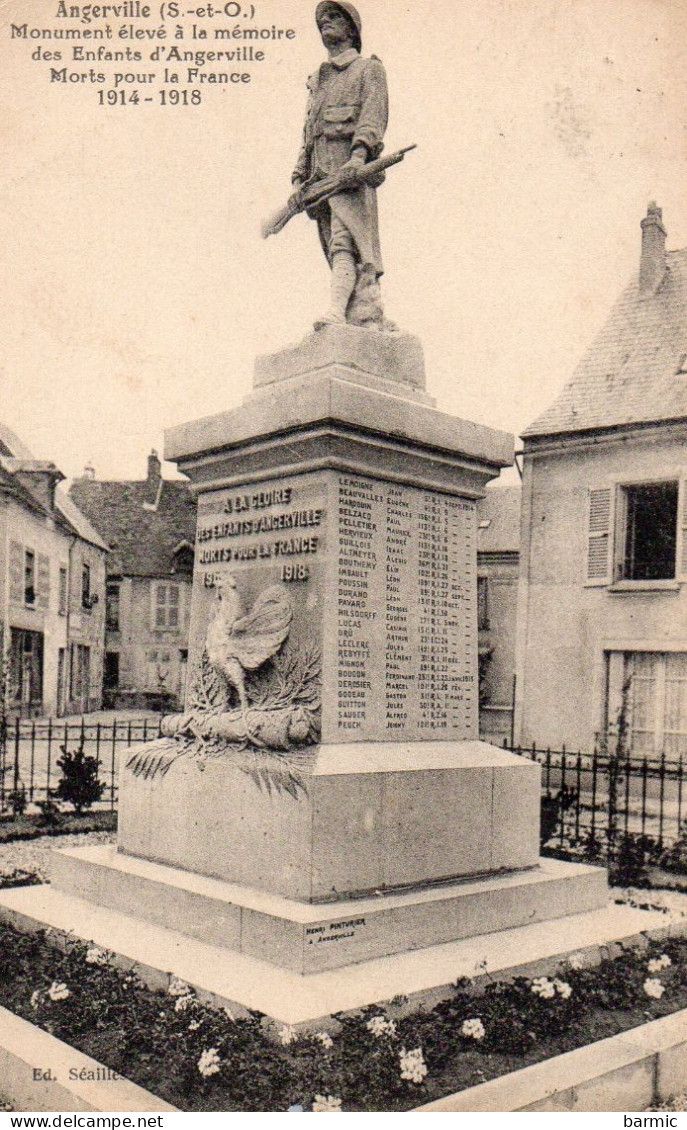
(652, 267)
(40, 479)
(153, 481)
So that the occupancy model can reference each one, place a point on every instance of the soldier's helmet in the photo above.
(353, 15)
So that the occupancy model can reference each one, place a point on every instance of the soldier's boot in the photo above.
(343, 283)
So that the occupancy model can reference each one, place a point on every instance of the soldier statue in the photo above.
(344, 130)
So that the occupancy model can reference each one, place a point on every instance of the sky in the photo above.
(137, 289)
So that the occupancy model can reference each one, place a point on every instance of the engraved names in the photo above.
(405, 613)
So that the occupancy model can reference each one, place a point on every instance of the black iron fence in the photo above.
(29, 754)
(591, 803)
(595, 803)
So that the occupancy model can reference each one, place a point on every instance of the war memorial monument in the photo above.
(321, 828)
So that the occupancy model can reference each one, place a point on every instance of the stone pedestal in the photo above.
(337, 806)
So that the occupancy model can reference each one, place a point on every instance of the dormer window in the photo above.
(183, 559)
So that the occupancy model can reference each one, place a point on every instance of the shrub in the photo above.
(17, 801)
(50, 814)
(553, 809)
(79, 784)
(630, 866)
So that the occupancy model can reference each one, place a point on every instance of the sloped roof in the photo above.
(501, 509)
(11, 445)
(15, 458)
(142, 541)
(78, 521)
(630, 373)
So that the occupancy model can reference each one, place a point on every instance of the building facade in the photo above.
(602, 614)
(498, 556)
(52, 590)
(150, 527)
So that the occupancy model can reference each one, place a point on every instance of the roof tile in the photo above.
(142, 540)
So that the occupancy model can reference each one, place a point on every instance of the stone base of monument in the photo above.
(339, 821)
(310, 938)
(240, 982)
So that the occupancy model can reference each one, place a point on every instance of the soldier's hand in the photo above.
(296, 197)
(350, 173)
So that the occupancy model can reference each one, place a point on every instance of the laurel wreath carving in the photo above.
(270, 743)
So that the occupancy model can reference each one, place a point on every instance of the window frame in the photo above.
(30, 601)
(86, 598)
(621, 532)
(619, 655)
(63, 590)
(616, 532)
(113, 599)
(166, 610)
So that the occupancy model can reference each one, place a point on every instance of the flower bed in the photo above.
(202, 1058)
(32, 826)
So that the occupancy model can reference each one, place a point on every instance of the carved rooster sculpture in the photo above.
(236, 643)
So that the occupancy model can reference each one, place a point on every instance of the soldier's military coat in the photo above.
(348, 106)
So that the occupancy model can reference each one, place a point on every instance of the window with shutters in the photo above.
(634, 534)
(166, 606)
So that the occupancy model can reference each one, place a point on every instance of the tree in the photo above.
(79, 784)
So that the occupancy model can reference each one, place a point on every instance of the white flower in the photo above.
(288, 1035)
(326, 1103)
(194, 1026)
(209, 1063)
(179, 988)
(182, 1003)
(543, 988)
(96, 956)
(379, 1026)
(413, 1066)
(563, 989)
(58, 991)
(35, 998)
(575, 961)
(474, 1029)
(654, 988)
(659, 963)
(325, 1039)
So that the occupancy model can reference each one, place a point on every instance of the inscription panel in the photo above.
(383, 574)
(406, 639)
(263, 535)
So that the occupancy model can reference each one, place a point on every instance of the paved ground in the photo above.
(35, 855)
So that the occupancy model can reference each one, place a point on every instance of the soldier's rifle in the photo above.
(321, 190)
